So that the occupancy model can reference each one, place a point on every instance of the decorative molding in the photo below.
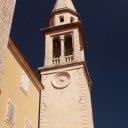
(83, 99)
(61, 80)
(43, 106)
(79, 65)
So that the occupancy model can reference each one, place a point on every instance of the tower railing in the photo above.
(56, 60)
(66, 59)
(69, 58)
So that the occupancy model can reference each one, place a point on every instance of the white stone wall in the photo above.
(69, 107)
(6, 15)
(77, 52)
(66, 16)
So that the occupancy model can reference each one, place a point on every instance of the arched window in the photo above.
(68, 45)
(61, 18)
(72, 19)
(56, 48)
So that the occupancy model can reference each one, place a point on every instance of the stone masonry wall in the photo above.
(6, 16)
(69, 107)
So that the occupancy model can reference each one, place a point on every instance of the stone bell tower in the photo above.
(65, 101)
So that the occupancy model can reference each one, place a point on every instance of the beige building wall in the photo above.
(27, 104)
(6, 15)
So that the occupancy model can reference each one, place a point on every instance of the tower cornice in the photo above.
(59, 11)
(52, 69)
(67, 26)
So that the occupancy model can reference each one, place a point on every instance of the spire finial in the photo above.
(62, 4)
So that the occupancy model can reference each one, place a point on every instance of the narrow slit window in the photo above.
(56, 48)
(68, 45)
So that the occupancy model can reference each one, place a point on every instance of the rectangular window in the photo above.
(28, 123)
(24, 82)
(56, 47)
(11, 113)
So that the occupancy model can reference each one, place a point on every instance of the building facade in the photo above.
(6, 15)
(20, 92)
(66, 100)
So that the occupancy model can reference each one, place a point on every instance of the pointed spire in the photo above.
(62, 4)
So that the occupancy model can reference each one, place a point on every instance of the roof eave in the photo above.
(24, 64)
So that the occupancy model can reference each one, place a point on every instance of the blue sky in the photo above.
(105, 24)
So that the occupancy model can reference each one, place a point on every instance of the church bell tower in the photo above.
(66, 100)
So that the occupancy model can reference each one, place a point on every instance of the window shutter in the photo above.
(11, 113)
(28, 124)
(24, 81)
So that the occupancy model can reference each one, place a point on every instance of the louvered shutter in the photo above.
(24, 81)
(11, 113)
(28, 124)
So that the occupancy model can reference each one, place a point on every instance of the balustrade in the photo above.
(56, 60)
(67, 59)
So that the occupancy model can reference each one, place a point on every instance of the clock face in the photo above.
(61, 80)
